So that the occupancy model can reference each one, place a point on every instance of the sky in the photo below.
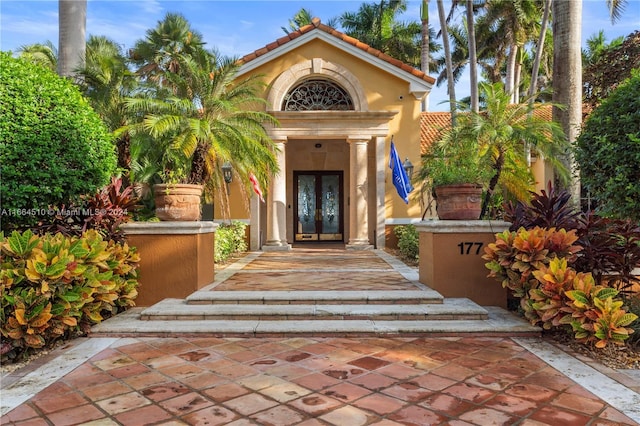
(238, 27)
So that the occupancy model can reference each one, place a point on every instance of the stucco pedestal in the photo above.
(451, 259)
(176, 258)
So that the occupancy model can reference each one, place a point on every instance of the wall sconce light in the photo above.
(227, 174)
(408, 168)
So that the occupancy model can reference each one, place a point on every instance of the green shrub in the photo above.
(53, 146)
(54, 285)
(408, 241)
(608, 152)
(533, 264)
(230, 239)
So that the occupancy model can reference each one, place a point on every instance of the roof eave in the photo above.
(417, 86)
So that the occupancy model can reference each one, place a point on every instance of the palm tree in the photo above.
(106, 82)
(376, 24)
(473, 59)
(207, 120)
(449, 66)
(165, 48)
(567, 74)
(45, 55)
(539, 49)
(425, 33)
(567, 86)
(596, 46)
(303, 17)
(72, 15)
(502, 130)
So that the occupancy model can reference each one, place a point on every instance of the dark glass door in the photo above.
(319, 208)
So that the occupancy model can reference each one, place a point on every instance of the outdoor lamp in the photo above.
(227, 174)
(408, 167)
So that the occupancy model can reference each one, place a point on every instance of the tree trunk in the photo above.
(533, 87)
(498, 165)
(424, 52)
(473, 59)
(567, 76)
(72, 42)
(447, 59)
(511, 69)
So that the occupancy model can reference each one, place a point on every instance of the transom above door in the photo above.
(318, 205)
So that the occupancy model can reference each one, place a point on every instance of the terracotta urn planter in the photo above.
(459, 202)
(178, 202)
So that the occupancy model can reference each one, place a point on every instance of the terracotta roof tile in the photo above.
(317, 24)
(431, 126)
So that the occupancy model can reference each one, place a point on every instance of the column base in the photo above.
(359, 246)
(276, 247)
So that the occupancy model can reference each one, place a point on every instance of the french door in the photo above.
(318, 206)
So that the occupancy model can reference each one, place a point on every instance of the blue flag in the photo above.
(400, 178)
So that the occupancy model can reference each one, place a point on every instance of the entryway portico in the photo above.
(348, 141)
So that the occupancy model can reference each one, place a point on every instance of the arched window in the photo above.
(317, 95)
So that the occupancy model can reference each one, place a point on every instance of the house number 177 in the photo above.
(468, 248)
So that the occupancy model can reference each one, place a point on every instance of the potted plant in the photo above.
(456, 174)
(176, 200)
(167, 172)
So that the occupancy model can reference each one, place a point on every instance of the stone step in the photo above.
(449, 309)
(366, 297)
(128, 324)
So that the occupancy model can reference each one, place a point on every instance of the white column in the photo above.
(381, 215)
(277, 205)
(255, 221)
(358, 188)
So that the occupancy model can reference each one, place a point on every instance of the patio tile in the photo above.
(379, 404)
(52, 403)
(373, 381)
(75, 415)
(352, 416)
(555, 416)
(121, 403)
(164, 391)
(469, 392)
(278, 416)
(532, 392)
(489, 416)
(447, 404)
(346, 392)
(185, 404)
(212, 416)
(225, 392)
(433, 382)
(106, 390)
(578, 403)
(315, 404)
(145, 380)
(146, 415)
(399, 371)
(285, 392)
(316, 381)
(417, 416)
(408, 391)
(250, 404)
(369, 363)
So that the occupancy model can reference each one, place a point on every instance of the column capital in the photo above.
(358, 139)
(279, 139)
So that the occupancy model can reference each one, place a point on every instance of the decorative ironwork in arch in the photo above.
(317, 95)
